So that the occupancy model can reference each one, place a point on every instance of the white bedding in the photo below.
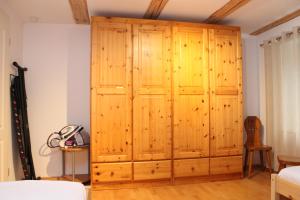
(291, 174)
(46, 190)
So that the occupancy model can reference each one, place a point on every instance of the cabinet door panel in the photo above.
(152, 95)
(227, 136)
(226, 93)
(111, 93)
(191, 93)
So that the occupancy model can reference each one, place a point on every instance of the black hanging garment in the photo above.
(20, 118)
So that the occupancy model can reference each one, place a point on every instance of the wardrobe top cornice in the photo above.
(96, 19)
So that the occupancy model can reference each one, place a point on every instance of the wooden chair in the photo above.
(252, 125)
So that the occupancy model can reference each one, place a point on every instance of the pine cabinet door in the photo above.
(191, 92)
(152, 92)
(111, 92)
(226, 93)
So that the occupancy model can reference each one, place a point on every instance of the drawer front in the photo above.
(226, 165)
(191, 167)
(111, 172)
(152, 170)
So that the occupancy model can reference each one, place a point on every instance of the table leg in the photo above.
(89, 158)
(73, 166)
(63, 164)
(246, 159)
(262, 164)
(251, 155)
(268, 153)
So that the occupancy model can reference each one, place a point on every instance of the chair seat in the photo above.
(259, 148)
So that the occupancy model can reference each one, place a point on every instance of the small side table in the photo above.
(73, 150)
(287, 160)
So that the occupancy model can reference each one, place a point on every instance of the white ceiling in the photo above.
(118, 8)
(250, 17)
(44, 11)
(259, 13)
(190, 10)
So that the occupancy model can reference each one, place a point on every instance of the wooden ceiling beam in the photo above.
(155, 8)
(80, 11)
(277, 22)
(226, 10)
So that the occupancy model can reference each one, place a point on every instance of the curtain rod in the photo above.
(279, 37)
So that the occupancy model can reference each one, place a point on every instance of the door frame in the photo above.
(5, 111)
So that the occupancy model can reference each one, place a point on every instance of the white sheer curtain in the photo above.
(282, 78)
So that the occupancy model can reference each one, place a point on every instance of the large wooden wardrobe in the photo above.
(166, 101)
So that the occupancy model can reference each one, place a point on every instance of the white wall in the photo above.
(250, 76)
(16, 29)
(57, 57)
(15, 54)
(78, 110)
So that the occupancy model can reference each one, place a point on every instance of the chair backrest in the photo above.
(252, 126)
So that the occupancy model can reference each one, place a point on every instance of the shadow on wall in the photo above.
(54, 165)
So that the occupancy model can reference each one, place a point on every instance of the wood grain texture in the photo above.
(191, 167)
(111, 94)
(109, 172)
(191, 92)
(80, 11)
(277, 22)
(101, 19)
(165, 182)
(226, 10)
(142, 74)
(154, 9)
(152, 92)
(152, 170)
(226, 165)
(226, 105)
(257, 188)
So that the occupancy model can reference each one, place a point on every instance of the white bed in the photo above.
(286, 183)
(46, 190)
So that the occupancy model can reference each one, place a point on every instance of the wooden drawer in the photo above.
(111, 172)
(191, 167)
(152, 170)
(226, 165)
